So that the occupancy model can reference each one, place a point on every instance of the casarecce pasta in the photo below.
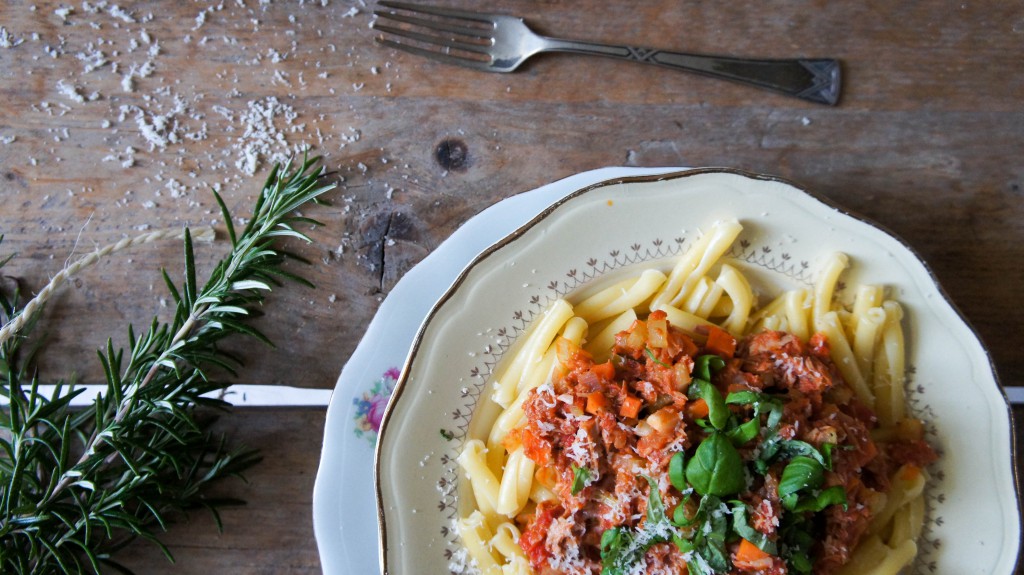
(673, 323)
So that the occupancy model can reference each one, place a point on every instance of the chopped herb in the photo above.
(774, 448)
(655, 507)
(447, 435)
(617, 551)
(677, 470)
(834, 495)
(802, 473)
(651, 355)
(797, 539)
(718, 411)
(710, 539)
(580, 477)
(741, 525)
(744, 433)
(707, 364)
(621, 548)
(744, 398)
(762, 403)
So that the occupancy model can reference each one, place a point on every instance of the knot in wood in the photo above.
(452, 154)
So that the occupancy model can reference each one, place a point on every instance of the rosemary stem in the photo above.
(126, 404)
(80, 484)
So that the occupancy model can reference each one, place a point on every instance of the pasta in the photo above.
(665, 366)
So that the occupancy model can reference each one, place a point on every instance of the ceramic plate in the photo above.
(344, 510)
(602, 230)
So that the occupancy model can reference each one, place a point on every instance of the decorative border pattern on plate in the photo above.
(762, 256)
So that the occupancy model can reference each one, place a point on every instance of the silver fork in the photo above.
(498, 43)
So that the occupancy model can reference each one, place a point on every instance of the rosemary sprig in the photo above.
(76, 485)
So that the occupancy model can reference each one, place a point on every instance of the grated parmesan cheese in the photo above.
(7, 40)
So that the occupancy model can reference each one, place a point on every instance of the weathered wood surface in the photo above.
(927, 140)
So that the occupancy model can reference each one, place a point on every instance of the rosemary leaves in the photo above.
(77, 485)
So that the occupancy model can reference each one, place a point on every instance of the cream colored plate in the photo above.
(344, 506)
(973, 519)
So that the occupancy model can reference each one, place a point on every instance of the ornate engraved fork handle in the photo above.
(815, 80)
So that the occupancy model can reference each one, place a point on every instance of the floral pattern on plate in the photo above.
(369, 407)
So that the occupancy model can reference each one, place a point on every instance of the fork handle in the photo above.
(815, 80)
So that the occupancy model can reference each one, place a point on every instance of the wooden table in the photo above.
(116, 120)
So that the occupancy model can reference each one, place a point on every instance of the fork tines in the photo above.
(444, 34)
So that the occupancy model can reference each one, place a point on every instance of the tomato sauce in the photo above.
(621, 423)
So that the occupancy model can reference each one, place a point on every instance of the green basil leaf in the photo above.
(762, 403)
(797, 541)
(834, 495)
(694, 390)
(684, 545)
(718, 412)
(712, 548)
(580, 476)
(790, 448)
(700, 516)
(679, 517)
(616, 550)
(706, 550)
(610, 540)
(774, 448)
(716, 468)
(826, 453)
(622, 548)
(677, 470)
(655, 508)
(707, 364)
(775, 412)
(697, 565)
(741, 526)
(744, 433)
(767, 451)
(801, 473)
(800, 562)
(744, 398)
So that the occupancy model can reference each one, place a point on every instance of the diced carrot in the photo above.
(596, 402)
(909, 472)
(630, 407)
(605, 371)
(748, 553)
(546, 476)
(698, 408)
(514, 439)
(536, 448)
(683, 342)
(910, 429)
(578, 406)
(720, 342)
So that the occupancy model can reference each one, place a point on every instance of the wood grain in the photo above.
(273, 532)
(927, 141)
